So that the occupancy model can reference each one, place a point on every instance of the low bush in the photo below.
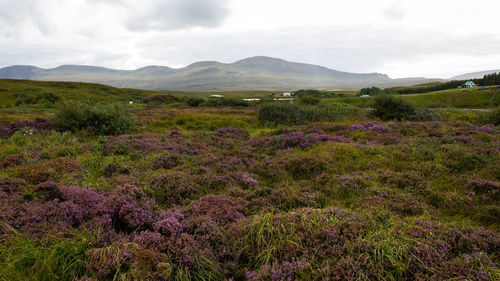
(284, 113)
(194, 101)
(309, 100)
(392, 108)
(101, 120)
(224, 102)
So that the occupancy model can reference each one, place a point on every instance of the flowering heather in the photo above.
(291, 139)
(485, 129)
(221, 208)
(324, 201)
(11, 161)
(10, 186)
(231, 132)
(5, 131)
(284, 271)
(370, 126)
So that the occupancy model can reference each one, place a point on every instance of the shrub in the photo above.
(224, 102)
(373, 91)
(284, 113)
(390, 108)
(194, 101)
(105, 120)
(308, 100)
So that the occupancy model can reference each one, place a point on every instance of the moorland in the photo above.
(103, 183)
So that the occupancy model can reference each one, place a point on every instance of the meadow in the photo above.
(225, 193)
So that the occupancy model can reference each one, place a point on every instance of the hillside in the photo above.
(10, 89)
(255, 73)
(474, 75)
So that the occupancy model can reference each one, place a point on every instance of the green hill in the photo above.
(255, 73)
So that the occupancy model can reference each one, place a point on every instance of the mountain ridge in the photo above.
(253, 73)
(474, 75)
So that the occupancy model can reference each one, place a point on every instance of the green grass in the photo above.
(474, 98)
(68, 91)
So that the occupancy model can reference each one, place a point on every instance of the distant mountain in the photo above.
(474, 75)
(255, 73)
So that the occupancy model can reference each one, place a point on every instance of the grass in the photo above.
(475, 98)
(351, 199)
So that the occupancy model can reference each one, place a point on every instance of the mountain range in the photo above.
(474, 75)
(254, 73)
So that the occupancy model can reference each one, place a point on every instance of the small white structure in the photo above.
(251, 99)
(365, 96)
(216, 96)
(130, 102)
(469, 84)
(286, 94)
(289, 100)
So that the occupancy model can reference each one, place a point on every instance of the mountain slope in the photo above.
(474, 75)
(255, 73)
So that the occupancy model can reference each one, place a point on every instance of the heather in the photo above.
(214, 193)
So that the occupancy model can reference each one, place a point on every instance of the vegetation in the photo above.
(373, 91)
(105, 120)
(319, 94)
(290, 114)
(223, 101)
(487, 80)
(392, 108)
(275, 191)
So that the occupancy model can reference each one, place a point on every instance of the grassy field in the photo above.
(473, 98)
(215, 193)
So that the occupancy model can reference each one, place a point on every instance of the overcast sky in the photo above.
(405, 38)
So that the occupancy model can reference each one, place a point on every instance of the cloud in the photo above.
(177, 14)
(18, 14)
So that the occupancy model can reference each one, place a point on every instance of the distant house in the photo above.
(216, 96)
(469, 84)
(365, 96)
(289, 100)
(286, 94)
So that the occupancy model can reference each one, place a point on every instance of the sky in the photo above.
(405, 38)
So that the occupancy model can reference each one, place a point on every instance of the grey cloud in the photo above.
(353, 49)
(178, 14)
(19, 13)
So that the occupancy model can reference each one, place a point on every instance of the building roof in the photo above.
(469, 83)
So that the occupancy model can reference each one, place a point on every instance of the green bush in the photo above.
(285, 113)
(224, 102)
(194, 101)
(392, 108)
(99, 120)
(308, 100)
(373, 91)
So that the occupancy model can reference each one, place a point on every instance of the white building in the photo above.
(216, 96)
(286, 94)
(469, 84)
